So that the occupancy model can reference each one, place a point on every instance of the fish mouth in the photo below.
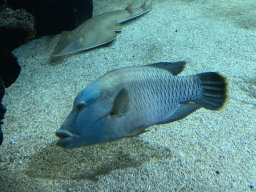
(66, 138)
(70, 140)
(63, 134)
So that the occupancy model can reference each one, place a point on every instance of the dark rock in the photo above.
(9, 72)
(54, 16)
(2, 112)
(16, 28)
(1, 135)
(3, 5)
(9, 69)
(2, 109)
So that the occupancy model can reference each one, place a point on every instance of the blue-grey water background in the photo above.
(206, 151)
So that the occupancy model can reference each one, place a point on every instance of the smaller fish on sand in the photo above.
(96, 31)
(124, 102)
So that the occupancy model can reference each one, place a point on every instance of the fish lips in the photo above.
(70, 140)
(67, 140)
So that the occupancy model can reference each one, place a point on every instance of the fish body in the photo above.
(96, 31)
(126, 101)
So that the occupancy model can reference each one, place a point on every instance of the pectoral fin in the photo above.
(62, 43)
(121, 103)
(117, 28)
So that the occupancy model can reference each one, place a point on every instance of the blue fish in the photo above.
(124, 102)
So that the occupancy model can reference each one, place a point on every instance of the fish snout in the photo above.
(62, 134)
(66, 139)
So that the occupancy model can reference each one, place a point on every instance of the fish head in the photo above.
(85, 125)
(99, 115)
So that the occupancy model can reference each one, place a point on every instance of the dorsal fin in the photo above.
(129, 8)
(173, 68)
(143, 5)
(121, 103)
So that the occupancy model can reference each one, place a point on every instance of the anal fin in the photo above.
(136, 131)
(183, 111)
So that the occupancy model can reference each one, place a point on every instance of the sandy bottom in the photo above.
(207, 151)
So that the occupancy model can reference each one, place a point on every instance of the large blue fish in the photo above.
(124, 102)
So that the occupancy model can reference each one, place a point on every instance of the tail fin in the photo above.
(215, 90)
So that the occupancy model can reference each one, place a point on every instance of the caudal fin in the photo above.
(215, 90)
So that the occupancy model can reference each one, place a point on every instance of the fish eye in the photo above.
(83, 104)
(82, 37)
(90, 101)
(80, 105)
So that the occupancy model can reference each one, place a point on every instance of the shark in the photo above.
(97, 31)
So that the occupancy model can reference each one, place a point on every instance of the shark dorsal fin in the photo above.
(121, 103)
(129, 8)
(144, 5)
(173, 68)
